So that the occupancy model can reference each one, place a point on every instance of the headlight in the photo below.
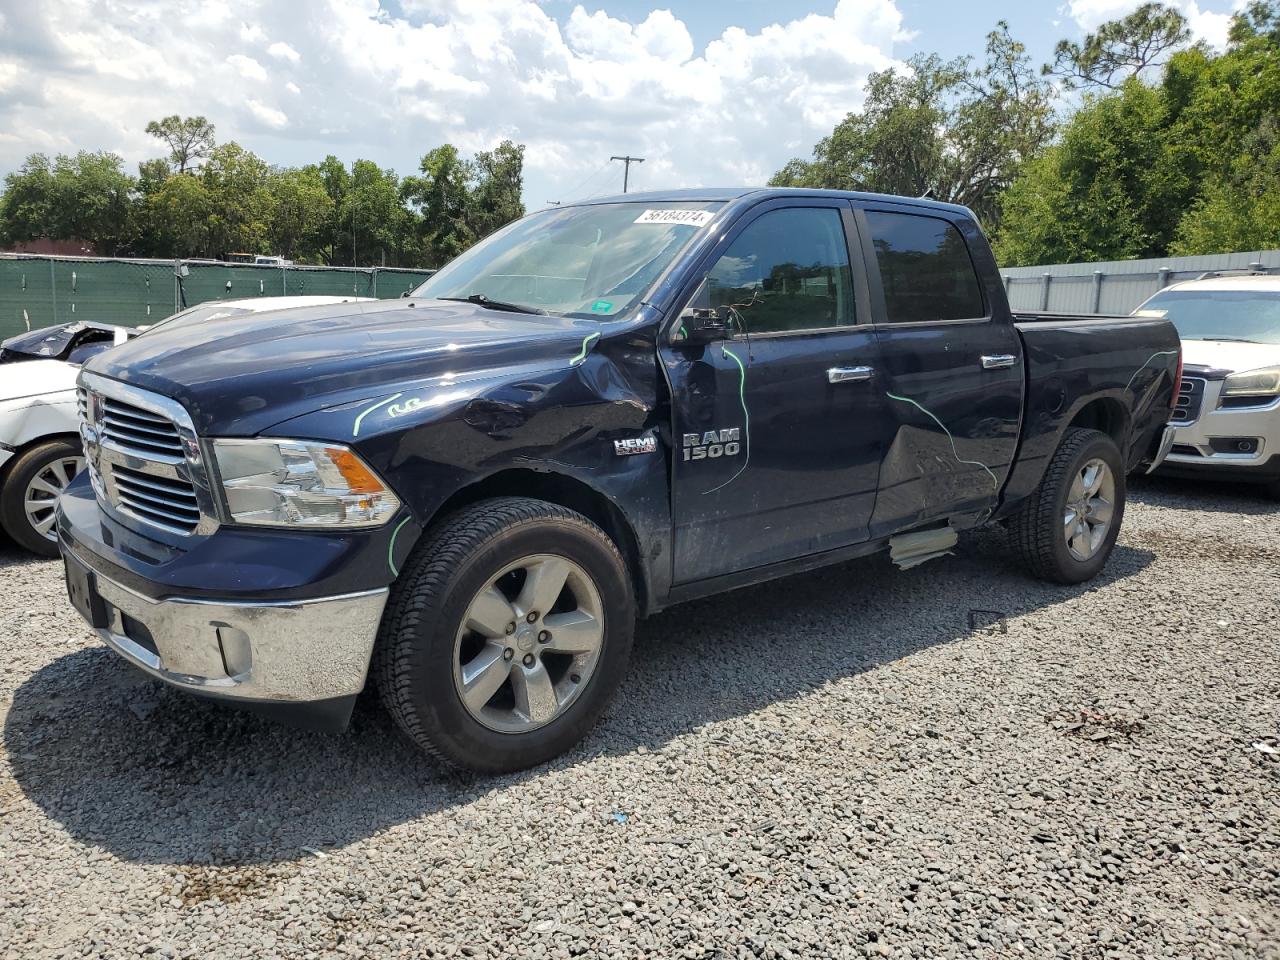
(1253, 383)
(301, 483)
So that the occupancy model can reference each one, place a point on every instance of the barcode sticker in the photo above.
(694, 218)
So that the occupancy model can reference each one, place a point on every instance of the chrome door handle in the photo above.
(849, 374)
(998, 361)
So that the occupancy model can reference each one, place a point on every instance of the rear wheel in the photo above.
(507, 635)
(29, 500)
(1066, 530)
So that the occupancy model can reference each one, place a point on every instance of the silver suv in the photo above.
(1228, 408)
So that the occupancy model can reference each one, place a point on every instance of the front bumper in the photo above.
(1197, 445)
(279, 622)
(297, 651)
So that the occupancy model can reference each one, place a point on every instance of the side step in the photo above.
(909, 550)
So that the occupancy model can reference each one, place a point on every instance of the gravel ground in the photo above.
(948, 762)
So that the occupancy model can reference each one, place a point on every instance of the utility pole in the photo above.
(626, 171)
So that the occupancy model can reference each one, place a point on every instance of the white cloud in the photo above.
(269, 116)
(282, 51)
(248, 67)
(1207, 25)
(471, 72)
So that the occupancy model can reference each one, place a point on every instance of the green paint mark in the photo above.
(391, 547)
(954, 451)
(602, 306)
(582, 354)
(380, 403)
(684, 333)
(1162, 353)
(746, 419)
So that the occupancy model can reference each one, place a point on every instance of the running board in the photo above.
(909, 550)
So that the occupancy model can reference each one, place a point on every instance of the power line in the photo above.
(626, 171)
(580, 190)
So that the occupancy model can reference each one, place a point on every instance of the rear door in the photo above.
(779, 430)
(950, 365)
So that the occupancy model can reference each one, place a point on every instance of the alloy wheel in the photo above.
(528, 644)
(1090, 509)
(40, 499)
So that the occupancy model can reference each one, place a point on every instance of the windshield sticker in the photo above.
(692, 218)
(602, 306)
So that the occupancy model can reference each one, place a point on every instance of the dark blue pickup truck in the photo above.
(469, 495)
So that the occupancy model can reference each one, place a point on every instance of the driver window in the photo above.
(787, 271)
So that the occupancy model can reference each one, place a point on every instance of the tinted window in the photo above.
(924, 268)
(788, 270)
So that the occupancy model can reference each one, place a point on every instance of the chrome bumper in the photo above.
(294, 651)
(1166, 444)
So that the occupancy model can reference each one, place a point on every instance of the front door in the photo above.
(779, 429)
(950, 368)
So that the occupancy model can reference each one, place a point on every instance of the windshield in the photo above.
(199, 314)
(1251, 316)
(591, 261)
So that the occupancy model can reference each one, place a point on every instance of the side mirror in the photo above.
(700, 322)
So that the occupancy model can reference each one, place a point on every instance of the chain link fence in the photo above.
(40, 291)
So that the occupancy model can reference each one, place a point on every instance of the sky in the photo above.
(709, 93)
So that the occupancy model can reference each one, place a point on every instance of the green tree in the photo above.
(241, 206)
(1120, 48)
(178, 218)
(86, 197)
(303, 208)
(441, 194)
(958, 130)
(498, 176)
(188, 139)
(1103, 192)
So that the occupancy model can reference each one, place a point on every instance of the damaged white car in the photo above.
(39, 441)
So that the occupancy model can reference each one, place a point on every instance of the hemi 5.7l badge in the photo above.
(633, 445)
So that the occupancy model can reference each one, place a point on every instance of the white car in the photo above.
(39, 426)
(1228, 409)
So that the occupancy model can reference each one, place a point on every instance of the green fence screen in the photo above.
(42, 291)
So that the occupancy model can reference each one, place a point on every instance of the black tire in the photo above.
(21, 472)
(413, 663)
(1038, 531)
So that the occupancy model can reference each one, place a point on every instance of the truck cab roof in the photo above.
(727, 194)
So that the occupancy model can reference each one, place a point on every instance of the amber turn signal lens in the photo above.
(359, 478)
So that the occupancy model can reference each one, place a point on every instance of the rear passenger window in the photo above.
(924, 268)
(788, 270)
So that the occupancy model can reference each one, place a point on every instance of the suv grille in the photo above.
(142, 463)
(1190, 399)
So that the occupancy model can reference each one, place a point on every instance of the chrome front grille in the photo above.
(166, 502)
(144, 459)
(1190, 399)
(132, 428)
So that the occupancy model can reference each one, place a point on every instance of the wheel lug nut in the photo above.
(511, 627)
(544, 637)
(533, 616)
(575, 678)
(528, 659)
(508, 653)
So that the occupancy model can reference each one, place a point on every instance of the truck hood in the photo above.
(1230, 355)
(33, 378)
(238, 376)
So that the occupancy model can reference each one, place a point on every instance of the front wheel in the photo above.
(506, 636)
(1067, 528)
(29, 500)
